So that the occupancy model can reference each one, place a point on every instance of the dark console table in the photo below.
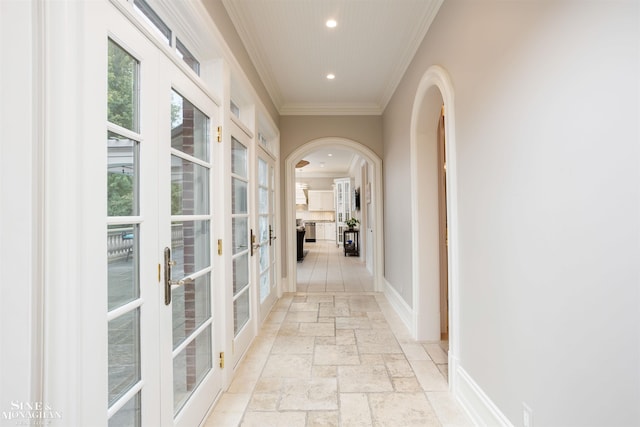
(351, 242)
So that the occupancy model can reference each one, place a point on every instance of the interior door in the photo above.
(242, 238)
(266, 236)
(160, 219)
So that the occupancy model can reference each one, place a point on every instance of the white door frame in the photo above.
(435, 86)
(376, 199)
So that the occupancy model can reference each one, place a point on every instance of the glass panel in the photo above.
(122, 264)
(152, 18)
(264, 287)
(235, 110)
(124, 354)
(128, 415)
(264, 257)
(191, 306)
(122, 176)
(240, 235)
(122, 95)
(190, 247)
(239, 196)
(187, 57)
(189, 188)
(189, 128)
(262, 173)
(241, 311)
(238, 158)
(189, 368)
(263, 200)
(240, 273)
(263, 229)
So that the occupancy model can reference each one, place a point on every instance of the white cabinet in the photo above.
(330, 231)
(320, 200)
(325, 230)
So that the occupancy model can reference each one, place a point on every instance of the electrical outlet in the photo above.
(527, 415)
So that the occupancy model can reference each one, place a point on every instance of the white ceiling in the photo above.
(322, 164)
(368, 51)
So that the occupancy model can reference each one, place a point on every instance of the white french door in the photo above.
(161, 219)
(265, 265)
(240, 304)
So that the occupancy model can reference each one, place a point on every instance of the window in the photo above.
(187, 56)
(235, 110)
(151, 17)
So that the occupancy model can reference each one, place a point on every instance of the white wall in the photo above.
(547, 157)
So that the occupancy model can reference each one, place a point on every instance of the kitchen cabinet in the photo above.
(325, 231)
(321, 200)
(330, 231)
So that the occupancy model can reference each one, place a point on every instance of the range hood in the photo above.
(301, 199)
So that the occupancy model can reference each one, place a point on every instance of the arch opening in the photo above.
(434, 242)
(375, 224)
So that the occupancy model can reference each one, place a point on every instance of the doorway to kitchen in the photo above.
(315, 194)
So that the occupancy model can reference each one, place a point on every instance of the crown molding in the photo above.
(331, 110)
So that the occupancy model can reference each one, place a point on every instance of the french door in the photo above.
(265, 264)
(241, 302)
(161, 219)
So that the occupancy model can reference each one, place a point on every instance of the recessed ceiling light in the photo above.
(331, 76)
(329, 154)
(331, 23)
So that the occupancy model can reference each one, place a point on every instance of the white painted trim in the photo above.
(476, 403)
(437, 76)
(402, 309)
(289, 197)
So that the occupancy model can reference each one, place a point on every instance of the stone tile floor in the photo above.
(336, 354)
(338, 359)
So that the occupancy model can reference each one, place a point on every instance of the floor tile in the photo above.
(354, 410)
(402, 409)
(309, 394)
(364, 379)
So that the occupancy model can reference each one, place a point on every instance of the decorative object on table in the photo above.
(352, 222)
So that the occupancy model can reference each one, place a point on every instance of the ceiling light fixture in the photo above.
(331, 23)
(330, 155)
(331, 76)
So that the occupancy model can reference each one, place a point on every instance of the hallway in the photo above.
(335, 354)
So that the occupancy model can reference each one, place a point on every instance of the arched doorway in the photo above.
(376, 204)
(429, 179)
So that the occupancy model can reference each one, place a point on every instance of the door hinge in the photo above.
(222, 359)
(219, 246)
(219, 133)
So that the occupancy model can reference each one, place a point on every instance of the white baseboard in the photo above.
(400, 306)
(479, 407)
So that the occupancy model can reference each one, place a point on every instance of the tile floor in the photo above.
(335, 354)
